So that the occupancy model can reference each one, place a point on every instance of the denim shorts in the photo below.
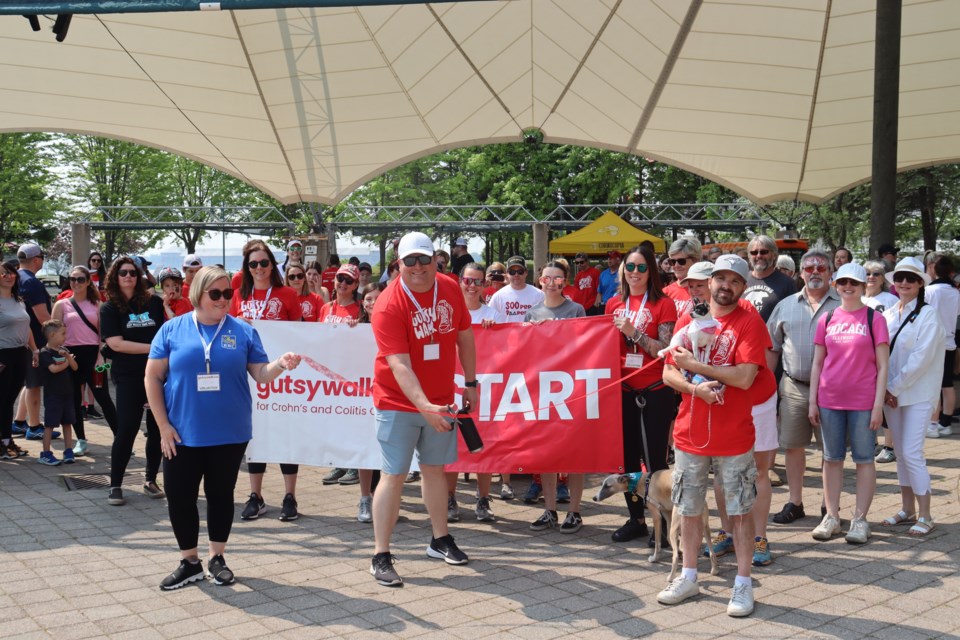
(838, 427)
(738, 475)
(402, 432)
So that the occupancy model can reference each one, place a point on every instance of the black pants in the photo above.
(218, 467)
(131, 396)
(86, 356)
(261, 467)
(15, 363)
(657, 413)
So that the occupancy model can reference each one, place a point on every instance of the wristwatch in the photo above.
(470, 384)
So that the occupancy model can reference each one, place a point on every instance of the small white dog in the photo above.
(698, 336)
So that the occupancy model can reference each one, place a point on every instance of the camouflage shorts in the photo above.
(738, 476)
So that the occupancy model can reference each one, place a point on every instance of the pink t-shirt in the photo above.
(78, 333)
(848, 380)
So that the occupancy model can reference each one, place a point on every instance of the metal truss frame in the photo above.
(233, 219)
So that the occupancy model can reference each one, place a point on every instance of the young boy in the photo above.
(57, 365)
(174, 304)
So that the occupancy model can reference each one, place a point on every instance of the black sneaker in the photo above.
(381, 568)
(546, 521)
(186, 573)
(93, 413)
(334, 476)
(217, 570)
(789, 513)
(289, 510)
(446, 549)
(115, 497)
(255, 508)
(631, 530)
(572, 523)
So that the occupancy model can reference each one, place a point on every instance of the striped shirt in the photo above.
(792, 326)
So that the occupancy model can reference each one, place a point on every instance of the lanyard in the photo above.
(207, 345)
(257, 314)
(409, 293)
(636, 320)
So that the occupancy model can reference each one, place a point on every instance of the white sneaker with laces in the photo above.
(859, 531)
(933, 430)
(365, 513)
(679, 590)
(741, 602)
(945, 431)
(827, 528)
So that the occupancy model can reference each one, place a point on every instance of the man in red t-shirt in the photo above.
(421, 325)
(585, 284)
(715, 426)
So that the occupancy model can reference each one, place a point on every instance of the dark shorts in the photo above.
(57, 410)
(947, 382)
(34, 378)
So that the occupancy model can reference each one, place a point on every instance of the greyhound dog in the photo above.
(659, 487)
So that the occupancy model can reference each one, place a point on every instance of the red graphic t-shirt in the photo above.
(181, 306)
(282, 304)
(653, 315)
(335, 313)
(724, 429)
(310, 306)
(681, 298)
(400, 328)
(586, 283)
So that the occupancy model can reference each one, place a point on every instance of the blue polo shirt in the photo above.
(608, 284)
(208, 418)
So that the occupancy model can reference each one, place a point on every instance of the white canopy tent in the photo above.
(771, 98)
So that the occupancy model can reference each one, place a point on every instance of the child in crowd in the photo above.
(57, 365)
(174, 304)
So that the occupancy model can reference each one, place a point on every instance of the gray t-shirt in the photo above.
(765, 293)
(569, 309)
(14, 324)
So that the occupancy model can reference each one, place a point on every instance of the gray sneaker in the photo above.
(677, 591)
(453, 509)
(366, 509)
(859, 531)
(827, 528)
(381, 568)
(886, 454)
(484, 513)
(741, 602)
(506, 492)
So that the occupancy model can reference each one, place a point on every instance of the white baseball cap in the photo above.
(699, 271)
(415, 243)
(853, 271)
(461, 242)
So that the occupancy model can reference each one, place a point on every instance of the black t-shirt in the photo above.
(458, 263)
(765, 293)
(58, 384)
(138, 325)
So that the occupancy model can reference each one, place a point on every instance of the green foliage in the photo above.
(26, 207)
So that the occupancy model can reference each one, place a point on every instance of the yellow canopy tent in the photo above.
(607, 233)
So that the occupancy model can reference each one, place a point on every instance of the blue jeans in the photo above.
(839, 427)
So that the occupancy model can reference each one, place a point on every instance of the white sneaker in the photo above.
(827, 528)
(741, 602)
(859, 531)
(933, 430)
(679, 590)
(366, 509)
(945, 431)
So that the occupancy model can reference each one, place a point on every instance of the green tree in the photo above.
(27, 207)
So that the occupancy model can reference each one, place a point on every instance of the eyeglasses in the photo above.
(632, 266)
(216, 294)
(875, 274)
(345, 279)
(78, 279)
(814, 268)
(679, 261)
(259, 263)
(127, 273)
(579, 262)
(495, 272)
(97, 260)
(759, 252)
(295, 276)
(412, 260)
(554, 279)
(906, 277)
(516, 272)
(472, 281)
(846, 282)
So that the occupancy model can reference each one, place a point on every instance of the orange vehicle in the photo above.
(795, 248)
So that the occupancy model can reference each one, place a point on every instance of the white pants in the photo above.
(908, 426)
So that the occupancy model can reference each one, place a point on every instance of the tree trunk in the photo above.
(928, 196)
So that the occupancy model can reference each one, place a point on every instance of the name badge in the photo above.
(431, 351)
(634, 360)
(208, 382)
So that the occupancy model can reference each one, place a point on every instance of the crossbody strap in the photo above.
(84, 318)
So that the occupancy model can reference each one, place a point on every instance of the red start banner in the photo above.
(549, 398)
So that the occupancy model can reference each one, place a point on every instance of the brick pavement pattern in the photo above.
(74, 567)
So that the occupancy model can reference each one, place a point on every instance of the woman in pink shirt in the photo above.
(848, 384)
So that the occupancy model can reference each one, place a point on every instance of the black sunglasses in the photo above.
(759, 252)
(216, 294)
(77, 279)
(345, 279)
(97, 260)
(412, 260)
(516, 272)
(127, 273)
(679, 261)
(844, 282)
(295, 276)
(579, 262)
(631, 266)
(906, 277)
(259, 263)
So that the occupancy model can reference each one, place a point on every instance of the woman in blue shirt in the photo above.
(196, 382)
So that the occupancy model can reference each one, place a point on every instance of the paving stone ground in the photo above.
(74, 567)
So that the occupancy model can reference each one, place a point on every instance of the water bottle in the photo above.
(468, 430)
